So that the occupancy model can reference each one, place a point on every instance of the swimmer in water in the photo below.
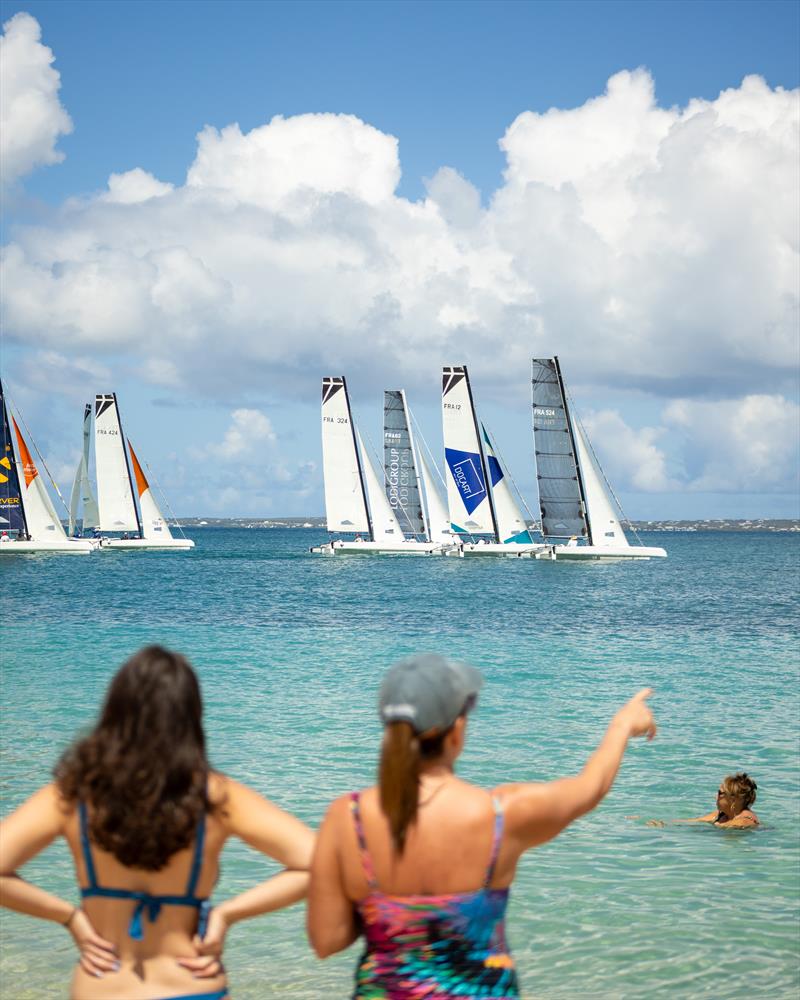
(734, 797)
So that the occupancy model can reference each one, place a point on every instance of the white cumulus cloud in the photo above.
(653, 249)
(31, 115)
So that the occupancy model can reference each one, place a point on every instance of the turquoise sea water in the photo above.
(290, 649)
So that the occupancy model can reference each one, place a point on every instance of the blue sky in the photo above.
(630, 227)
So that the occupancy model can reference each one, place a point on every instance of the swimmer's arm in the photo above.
(535, 813)
(24, 834)
(330, 920)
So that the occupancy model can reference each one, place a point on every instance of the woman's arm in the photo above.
(535, 813)
(330, 917)
(273, 832)
(23, 835)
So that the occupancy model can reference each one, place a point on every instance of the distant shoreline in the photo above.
(773, 524)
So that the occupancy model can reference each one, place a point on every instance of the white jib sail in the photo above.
(467, 495)
(82, 495)
(345, 501)
(604, 526)
(40, 516)
(439, 529)
(385, 526)
(117, 511)
(511, 525)
(153, 524)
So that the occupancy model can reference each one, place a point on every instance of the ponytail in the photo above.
(399, 780)
(398, 776)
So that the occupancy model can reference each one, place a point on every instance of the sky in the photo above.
(206, 207)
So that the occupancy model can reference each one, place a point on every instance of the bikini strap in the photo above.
(197, 860)
(497, 836)
(366, 860)
(86, 847)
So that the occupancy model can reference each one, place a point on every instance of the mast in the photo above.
(581, 487)
(482, 453)
(128, 466)
(358, 460)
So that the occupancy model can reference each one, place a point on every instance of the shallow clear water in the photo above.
(290, 649)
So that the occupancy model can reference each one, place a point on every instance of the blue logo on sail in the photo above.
(465, 468)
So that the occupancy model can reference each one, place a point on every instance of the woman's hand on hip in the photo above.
(208, 961)
(98, 956)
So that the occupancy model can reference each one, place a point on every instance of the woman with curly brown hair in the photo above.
(146, 818)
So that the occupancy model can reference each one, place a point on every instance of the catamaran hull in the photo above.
(521, 549)
(560, 552)
(69, 546)
(378, 548)
(147, 543)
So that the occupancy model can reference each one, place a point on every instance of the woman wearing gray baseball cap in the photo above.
(422, 863)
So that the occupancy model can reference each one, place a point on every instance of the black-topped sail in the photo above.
(12, 513)
(402, 480)
(561, 501)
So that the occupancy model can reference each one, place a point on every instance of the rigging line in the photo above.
(163, 496)
(433, 464)
(381, 466)
(507, 471)
(602, 470)
(41, 456)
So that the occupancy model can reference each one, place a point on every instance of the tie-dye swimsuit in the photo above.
(434, 947)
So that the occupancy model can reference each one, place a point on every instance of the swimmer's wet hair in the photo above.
(743, 787)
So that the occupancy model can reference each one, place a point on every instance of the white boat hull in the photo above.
(521, 549)
(339, 547)
(147, 543)
(66, 546)
(561, 552)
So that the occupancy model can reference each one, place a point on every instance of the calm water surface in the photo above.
(290, 649)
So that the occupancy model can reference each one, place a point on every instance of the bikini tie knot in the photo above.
(145, 903)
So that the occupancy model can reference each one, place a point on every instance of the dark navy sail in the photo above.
(12, 513)
(561, 501)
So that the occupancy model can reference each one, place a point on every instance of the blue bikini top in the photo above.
(145, 902)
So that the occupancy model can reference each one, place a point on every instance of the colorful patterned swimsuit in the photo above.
(434, 947)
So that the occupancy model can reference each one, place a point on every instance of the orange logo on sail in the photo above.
(28, 467)
(6, 465)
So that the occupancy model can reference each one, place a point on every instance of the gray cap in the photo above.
(428, 691)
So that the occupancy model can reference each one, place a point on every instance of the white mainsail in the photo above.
(153, 524)
(345, 499)
(605, 531)
(116, 507)
(82, 495)
(511, 525)
(40, 516)
(468, 501)
(439, 529)
(385, 526)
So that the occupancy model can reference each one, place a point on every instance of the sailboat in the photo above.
(28, 521)
(576, 503)
(410, 486)
(116, 508)
(479, 500)
(355, 501)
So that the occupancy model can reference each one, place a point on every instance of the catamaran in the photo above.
(480, 502)
(28, 521)
(115, 510)
(577, 505)
(356, 504)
